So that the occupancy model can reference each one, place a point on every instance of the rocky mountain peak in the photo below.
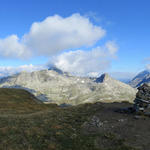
(103, 78)
(59, 71)
(141, 78)
(53, 68)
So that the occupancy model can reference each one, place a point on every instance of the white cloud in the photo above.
(148, 66)
(10, 70)
(112, 47)
(51, 36)
(56, 33)
(93, 74)
(146, 61)
(83, 63)
(94, 16)
(10, 47)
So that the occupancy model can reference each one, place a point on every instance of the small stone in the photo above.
(122, 120)
(137, 117)
(96, 121)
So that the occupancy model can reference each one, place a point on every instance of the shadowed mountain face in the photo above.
(102, 78)
(55, 86)
(142, 77)
(56, 70)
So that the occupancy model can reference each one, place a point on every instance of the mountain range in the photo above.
(141, 78)
(55, 86)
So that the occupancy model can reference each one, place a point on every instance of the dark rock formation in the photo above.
(142, 100)
(102, 78)
(141, 103)
(144, 92)
(56, 70)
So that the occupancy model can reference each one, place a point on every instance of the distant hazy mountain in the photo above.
(142, 77)
(55, 86)
(125, 80)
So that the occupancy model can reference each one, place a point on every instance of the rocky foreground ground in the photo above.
(27, 124)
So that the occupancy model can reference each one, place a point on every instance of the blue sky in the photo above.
(126, 23)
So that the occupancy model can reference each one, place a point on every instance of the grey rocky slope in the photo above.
(141, 78)
(58, 87)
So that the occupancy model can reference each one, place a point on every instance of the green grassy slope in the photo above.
(19, 101)
(28, 125)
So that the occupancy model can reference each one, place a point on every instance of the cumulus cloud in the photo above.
(92, 62)
(112, 48)
(146, 61)
(10, 70)
(10, 47)
(148, 66)
(51, 36)
(56, 33)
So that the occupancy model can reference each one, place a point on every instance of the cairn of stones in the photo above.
(142, 100)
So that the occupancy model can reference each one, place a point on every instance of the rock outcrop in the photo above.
(55, 86)
(144, 92)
